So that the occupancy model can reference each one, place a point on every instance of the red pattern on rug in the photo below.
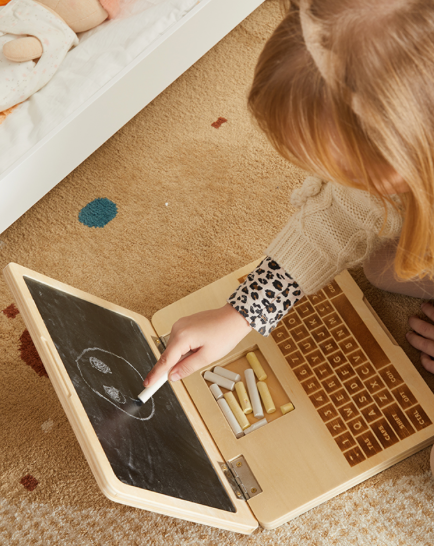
(30, 355)
(29, 482)
(11, 311)
(217, 124)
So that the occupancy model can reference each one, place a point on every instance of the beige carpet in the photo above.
(193, 203)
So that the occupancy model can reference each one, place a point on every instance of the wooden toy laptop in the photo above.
(359, 404)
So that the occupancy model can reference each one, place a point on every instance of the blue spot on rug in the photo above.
(98, 213)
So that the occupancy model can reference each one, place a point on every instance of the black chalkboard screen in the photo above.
(151, 446)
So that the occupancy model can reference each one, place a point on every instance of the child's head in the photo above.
(345, 89)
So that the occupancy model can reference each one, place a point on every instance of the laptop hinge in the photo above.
(241, 479)
(160, 342)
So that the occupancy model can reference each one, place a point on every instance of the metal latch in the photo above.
(241, 479)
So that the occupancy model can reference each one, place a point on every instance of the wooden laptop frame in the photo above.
(282, 497)
(242, 521)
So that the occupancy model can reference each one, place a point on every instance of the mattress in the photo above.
(101, 55)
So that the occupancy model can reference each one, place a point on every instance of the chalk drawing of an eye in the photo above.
(99, 365)
(115, 394)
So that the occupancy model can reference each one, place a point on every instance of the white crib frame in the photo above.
(78, 136)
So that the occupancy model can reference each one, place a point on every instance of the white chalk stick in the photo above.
(232, 376)
(255, 426)
(249, 374)
(230, 417)
(215, 389)
(146, 394)
(219, 380)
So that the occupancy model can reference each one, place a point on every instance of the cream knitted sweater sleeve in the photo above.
(337, 227)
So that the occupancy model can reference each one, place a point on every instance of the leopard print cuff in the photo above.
(266, 295)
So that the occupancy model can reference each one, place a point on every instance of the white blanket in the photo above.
(101, 54)
(28, 18)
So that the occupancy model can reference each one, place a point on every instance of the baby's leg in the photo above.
(380, 272)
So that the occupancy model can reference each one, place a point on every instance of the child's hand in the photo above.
(422, 337)
(209, 335)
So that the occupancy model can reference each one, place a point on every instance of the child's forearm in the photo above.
(260, 303)
(266, 296)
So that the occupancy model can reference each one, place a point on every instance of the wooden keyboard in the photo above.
(363, 401)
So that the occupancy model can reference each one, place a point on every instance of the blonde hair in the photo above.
(363, 89)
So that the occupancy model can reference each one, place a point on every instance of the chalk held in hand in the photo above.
(232, 376)
(147, 393)
(219, 380)
(256, 366)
